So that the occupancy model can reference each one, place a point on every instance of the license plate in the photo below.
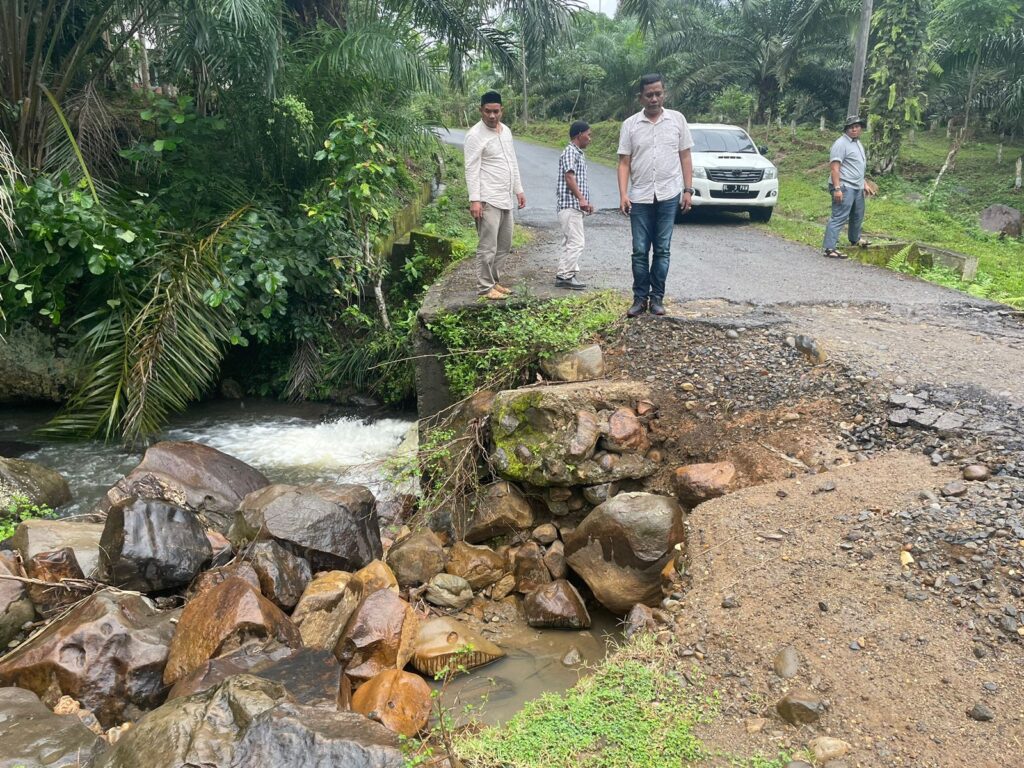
(735, 187)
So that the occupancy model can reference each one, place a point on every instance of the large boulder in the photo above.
(283, 576)
(398, 700)
(696, 483)
(310, 676)
(199, 730)
(501, 510)
(333, 526)
(325, 608)
(556, 605)
(40, 485)
(621, 547)
(417, 558)
(444, 645)
(380, 635)
(479, 565)
(151, 545)
(15, 606)
(571, 434)
(219, 620)
(1002, 219)
(31, 735)
(295, 735)
(199, 478)
(35, 536)
(109, 653)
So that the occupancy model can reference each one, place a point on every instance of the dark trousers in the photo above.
(651, 224)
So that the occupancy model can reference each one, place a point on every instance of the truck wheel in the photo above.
(761, 214)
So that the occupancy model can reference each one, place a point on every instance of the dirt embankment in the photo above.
(857, 543)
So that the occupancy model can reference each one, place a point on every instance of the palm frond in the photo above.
(152, 351)
(9, 174)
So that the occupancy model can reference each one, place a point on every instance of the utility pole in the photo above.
(860, 58)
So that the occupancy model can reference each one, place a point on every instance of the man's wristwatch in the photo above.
(688, 190)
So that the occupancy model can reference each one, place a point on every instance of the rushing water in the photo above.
(289, 443)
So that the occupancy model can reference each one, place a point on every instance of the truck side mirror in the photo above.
(763, 149)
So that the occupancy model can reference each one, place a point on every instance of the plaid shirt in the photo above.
(572, 159)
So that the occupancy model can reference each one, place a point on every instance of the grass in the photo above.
(901, 210)
(634, 711)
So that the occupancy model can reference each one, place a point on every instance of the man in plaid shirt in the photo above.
(573, 204)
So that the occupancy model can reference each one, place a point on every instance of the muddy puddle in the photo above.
(533, 666)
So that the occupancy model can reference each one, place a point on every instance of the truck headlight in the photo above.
(699, 172)
(771, 173)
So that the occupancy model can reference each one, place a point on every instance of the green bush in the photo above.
(502, 346)
(18, 509)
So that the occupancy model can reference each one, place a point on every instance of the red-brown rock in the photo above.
(53, 567)
(216, 621)
(398, 700)
(380, 636)
(696, 483)
(501, 509)
(557, 605)
(479, 565)
(626, 433)
(108, 653)
(199, 478)
(417, 558)
(530, 570)
(325, 608)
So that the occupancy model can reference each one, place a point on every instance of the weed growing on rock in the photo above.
(497, 347)
(20, 508)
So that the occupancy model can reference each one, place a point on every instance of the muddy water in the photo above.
(532, 667)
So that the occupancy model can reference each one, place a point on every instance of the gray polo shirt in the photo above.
(852, 159)
(653, 149)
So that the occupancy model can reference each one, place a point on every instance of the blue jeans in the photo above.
(850, 209)
(652, 225)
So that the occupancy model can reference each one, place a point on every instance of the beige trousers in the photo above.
(571, 222)
(495, 232)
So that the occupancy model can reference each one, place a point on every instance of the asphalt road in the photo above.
(714, 256)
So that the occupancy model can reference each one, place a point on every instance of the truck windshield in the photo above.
(712, 140)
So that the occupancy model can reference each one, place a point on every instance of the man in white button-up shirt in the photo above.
(655, 163)
(492, 179)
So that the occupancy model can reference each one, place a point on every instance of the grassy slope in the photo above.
(951, 222)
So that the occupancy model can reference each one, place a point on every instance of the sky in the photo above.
(605, 6)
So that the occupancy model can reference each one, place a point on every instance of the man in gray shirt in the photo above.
(847, 166)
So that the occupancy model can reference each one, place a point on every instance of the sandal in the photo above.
(832, 253)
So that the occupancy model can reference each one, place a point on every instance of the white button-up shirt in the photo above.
(492, 172)
(653, 148)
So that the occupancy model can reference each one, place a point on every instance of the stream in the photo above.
(310, 442)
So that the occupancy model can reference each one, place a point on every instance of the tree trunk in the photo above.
(526, 95)
(378, 281)
(143, 62)
(970, 88)
(860, 58)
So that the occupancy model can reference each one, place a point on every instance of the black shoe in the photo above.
(638, 308)
(572, 283)
(657, 308)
